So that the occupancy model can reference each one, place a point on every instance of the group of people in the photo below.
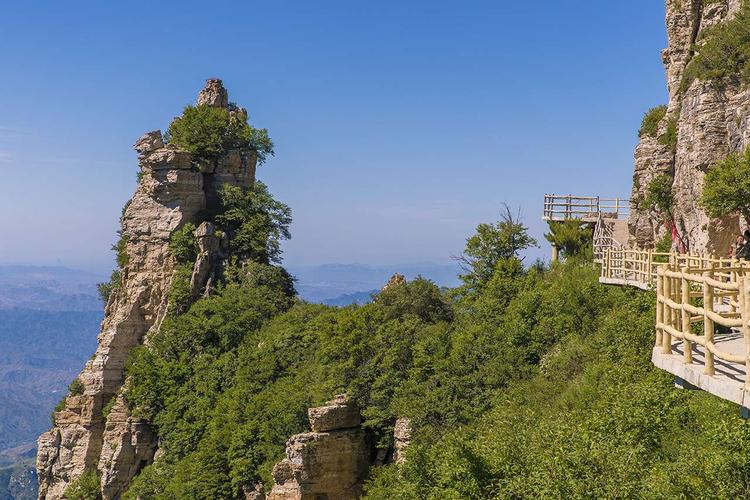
(741, 247)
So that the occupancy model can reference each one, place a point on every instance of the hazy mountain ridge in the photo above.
(49, 317)
(333, 284)
(50, 288)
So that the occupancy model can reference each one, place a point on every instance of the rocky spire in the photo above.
(213, 94)
(172, 190)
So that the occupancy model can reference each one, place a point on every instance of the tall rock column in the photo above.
(173, 188)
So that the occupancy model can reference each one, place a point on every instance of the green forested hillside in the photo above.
(520, 383)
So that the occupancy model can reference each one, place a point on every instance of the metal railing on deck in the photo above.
(565, 207)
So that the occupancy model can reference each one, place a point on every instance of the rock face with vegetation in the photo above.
(329, 462)
(92, 428)
(707, 117)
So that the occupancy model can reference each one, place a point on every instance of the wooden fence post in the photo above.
(659, 304)
(685, 316)
(650, 265)
(744, 305)
(708, 324)
(666, 337)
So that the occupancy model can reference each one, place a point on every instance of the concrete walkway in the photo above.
(728, 382)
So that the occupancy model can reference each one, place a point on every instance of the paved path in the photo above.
(729, 380)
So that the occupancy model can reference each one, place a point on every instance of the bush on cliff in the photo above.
(651, 120)
(254, 221)
(85, 487)
(208, 132)
(726, 188)
(724, 52)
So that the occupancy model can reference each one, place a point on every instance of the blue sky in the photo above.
(399, 125)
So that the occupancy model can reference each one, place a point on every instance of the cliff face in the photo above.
(173, 188)
(711, 121)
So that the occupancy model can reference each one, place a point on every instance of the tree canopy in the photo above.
(209, 132)
(492, 243)
(726, 188)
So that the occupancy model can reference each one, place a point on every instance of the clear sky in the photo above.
(399, 125)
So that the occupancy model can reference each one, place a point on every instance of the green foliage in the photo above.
(180, 295)
(183, 244)
(573, 238)
(105, 289)
(726, 189)
(85, 487)
(669, 137)
(539, 383)
(651, 120)
(492, 243)
(595, 421)
(664, 245)
(209, 132)
(75, 388)
(120, 249)
(254, 221)
(723, 54)
(659, 195)
(108, 407)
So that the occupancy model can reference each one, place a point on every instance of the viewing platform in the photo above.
(702, 322)
(584, 208)
(702, 317)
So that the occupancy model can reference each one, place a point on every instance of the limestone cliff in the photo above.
(709, 120)
(173, 188)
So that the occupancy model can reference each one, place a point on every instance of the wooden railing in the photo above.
(639, 267)
(691, 302)
(604, 239)
(565, 207)
(694, 295)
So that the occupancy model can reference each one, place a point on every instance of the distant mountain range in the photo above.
(49, 319)
(48, 289)
(344, 284)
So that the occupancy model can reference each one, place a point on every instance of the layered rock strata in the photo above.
(711, 121)
(173, 188)
(329, 462)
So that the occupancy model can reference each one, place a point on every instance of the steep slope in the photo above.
(174, 187)
(706, 119)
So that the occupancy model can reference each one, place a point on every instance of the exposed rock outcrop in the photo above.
(711, 121)
(329, 462)
(402, 435)
(174, 187)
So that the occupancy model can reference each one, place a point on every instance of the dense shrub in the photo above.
(669, 137)
(183, 244)
(209, 132)
(651, 120)
(726, 188)
(76, 387)
(724, 53)
(254, 221)
(659, 196)
(491, 243)
(106, 288)
(573, 238)
(85, 487)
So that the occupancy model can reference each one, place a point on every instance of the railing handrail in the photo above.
(561, 207)
(722, 283)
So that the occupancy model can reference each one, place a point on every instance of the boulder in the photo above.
(339, 413)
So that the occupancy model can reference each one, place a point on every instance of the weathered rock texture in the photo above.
(172, 190)
(329, 462)
(712, 121)
(402, 435)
